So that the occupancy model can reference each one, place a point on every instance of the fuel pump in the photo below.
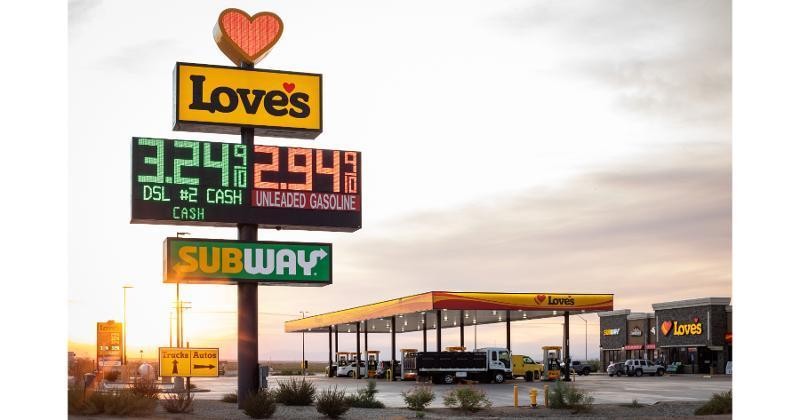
(551, 358)
(372, 362)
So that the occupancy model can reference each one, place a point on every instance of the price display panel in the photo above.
(186, 182)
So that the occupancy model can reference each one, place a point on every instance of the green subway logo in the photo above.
(226, 262)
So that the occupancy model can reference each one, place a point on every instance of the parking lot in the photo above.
(605, 390)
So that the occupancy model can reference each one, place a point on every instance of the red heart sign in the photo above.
(540, 298)
(246, 39)
(288, 87)
(696, 320)
(665, 327)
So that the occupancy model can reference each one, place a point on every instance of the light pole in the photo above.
(585, 339)
(125, 323)
(303, 362)
(178, 307)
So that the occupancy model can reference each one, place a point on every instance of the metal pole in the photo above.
(461, 329)
(303, 362)
(393, 348)
(330, 350)
(247, 294)
(424, 339)
(438, 330)
(358, 350)
(508, 330)
(170, 328)
(425, 332)
(567, 361)
(336, 339)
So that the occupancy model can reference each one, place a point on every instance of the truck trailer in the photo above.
(492, 364)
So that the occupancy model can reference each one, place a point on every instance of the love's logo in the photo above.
(245, 39)
(665, 327)
(540, 298)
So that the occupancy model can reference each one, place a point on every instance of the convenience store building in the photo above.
(694, 332)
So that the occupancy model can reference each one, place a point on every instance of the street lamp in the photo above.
(585, 339)
(125, 323)
(303, 362)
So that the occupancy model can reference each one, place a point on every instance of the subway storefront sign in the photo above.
(218, 99)
(212, 261)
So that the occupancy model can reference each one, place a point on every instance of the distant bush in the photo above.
(332, 402)
(467, 398)
(290, 372)
(146, 388)
(230, 398)
(178, 402)
(120, 403)
(365, 397)
(295, 392)
(634, 404)
(419, 397)
(718, 404)
(260, 405)
(563, 396)
(76, 403)
(596, 366)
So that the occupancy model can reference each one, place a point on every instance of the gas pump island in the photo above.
(244, 185)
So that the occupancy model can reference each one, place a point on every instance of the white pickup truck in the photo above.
(638, 367)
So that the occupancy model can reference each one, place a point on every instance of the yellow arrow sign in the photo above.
(188, 361)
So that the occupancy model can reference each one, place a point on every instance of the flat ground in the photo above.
(668, 396)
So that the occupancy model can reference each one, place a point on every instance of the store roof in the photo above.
(413, 313)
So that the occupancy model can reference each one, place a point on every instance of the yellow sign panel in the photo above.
(188, 361)
(218, 99)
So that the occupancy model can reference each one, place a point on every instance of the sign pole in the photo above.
(248, 307)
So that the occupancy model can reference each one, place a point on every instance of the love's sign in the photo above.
(219, 99)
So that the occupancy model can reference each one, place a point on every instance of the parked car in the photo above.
(582, 368)
(350, 369)
(638, 367)
(616, 369)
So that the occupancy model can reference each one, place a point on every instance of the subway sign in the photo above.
(214, 261)
(218, 99)
(186, 182)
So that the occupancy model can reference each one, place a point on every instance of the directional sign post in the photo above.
(188, 362)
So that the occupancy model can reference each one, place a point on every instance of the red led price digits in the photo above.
(351, 177)
(306, 162)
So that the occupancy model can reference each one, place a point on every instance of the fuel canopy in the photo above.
(451, 309)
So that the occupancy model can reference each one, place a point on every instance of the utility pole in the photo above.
(585, 339)
(303, 362)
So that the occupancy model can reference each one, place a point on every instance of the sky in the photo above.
(540, 146)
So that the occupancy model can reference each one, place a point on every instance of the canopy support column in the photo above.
(461, 329)
(567, 361)
(357, 371)
(330, 352)
(393, 348)
(425, 333)
(508, 330)
(438, 330)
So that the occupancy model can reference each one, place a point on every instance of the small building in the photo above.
(695, 332)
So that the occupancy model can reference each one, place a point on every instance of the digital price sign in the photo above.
(186, 182)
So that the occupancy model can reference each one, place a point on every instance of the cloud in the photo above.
(79, 11)
(654, 229)
(664, 59)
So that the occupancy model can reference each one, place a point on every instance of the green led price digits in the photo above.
(158, 158)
